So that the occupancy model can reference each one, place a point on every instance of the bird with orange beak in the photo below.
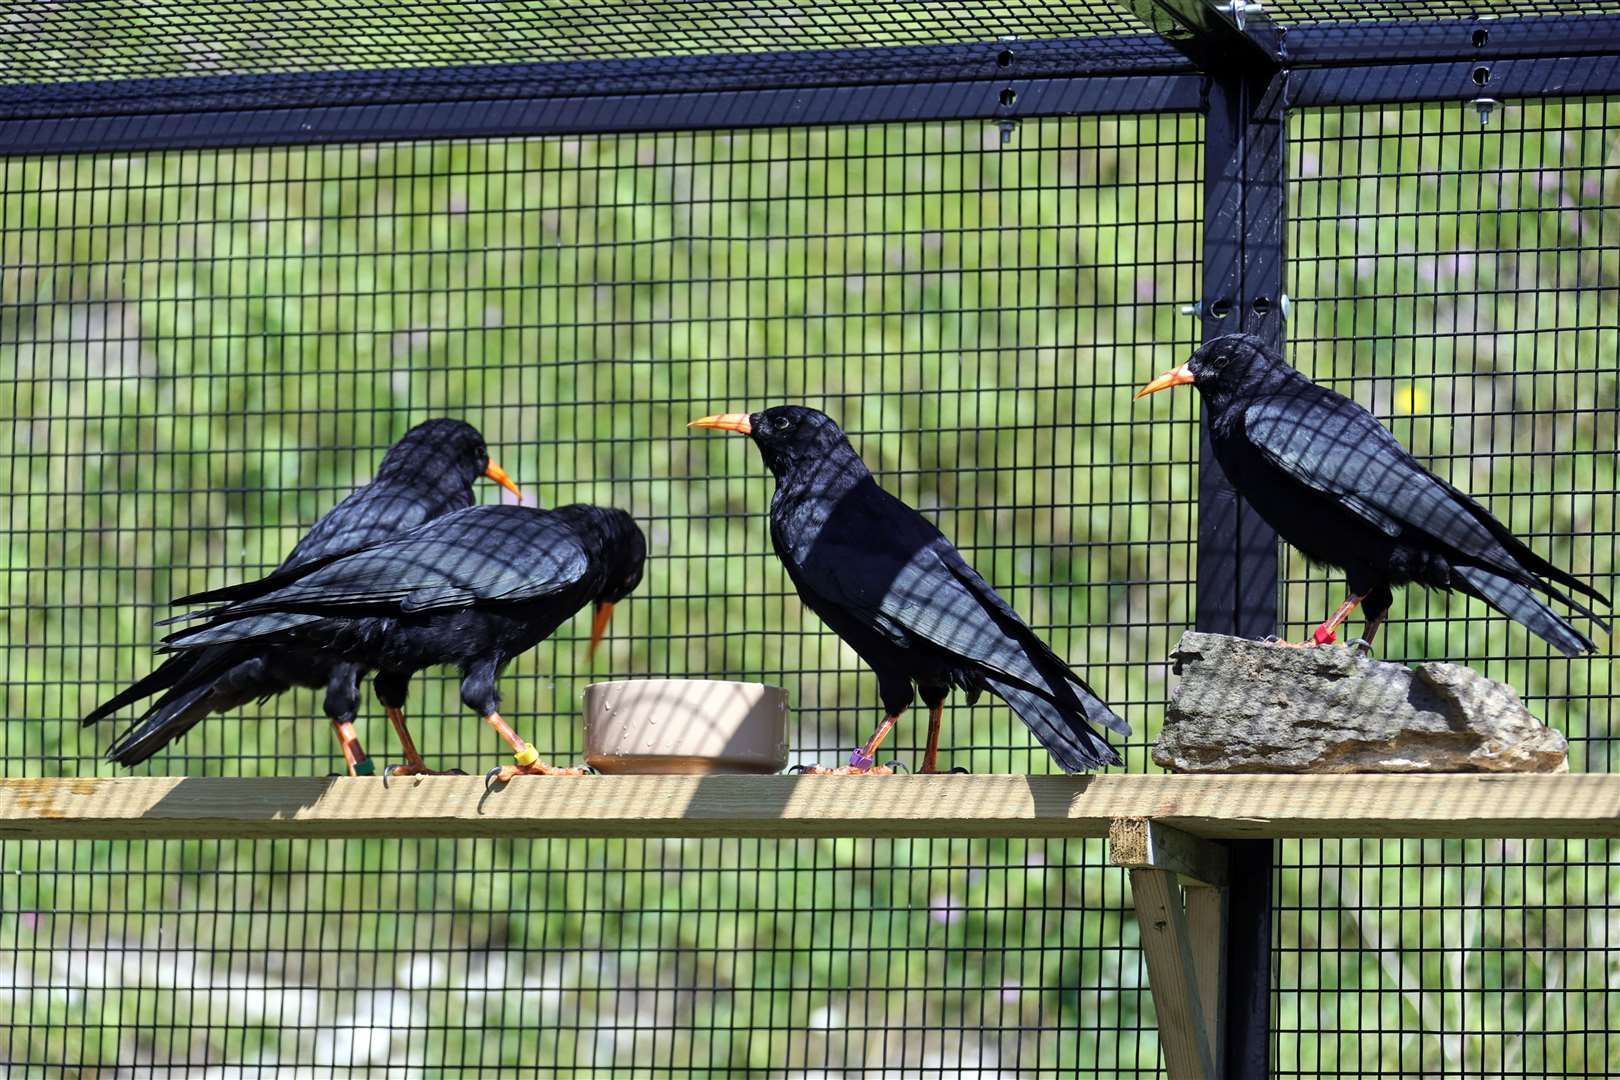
(472, 589)
(1338, 486)
(891, 585)
(428, 473)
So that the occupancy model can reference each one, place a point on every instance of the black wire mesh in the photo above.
(1330, 11)
(109, 40)
(1447, 958)
(1459, 278)
(208, 349)
(560, 958)
(203, 350)
(211, 348)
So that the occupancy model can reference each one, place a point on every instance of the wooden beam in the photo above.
(1582, 805)
(1138, 843)
(1182, 979)
(1167, 947)
(1207, 911)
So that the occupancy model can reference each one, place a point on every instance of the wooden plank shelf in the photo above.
(1217, 807)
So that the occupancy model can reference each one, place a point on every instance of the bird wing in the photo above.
(1334, 446)
(480, 555)
(371, 515)
(880, 560)
(375, 512)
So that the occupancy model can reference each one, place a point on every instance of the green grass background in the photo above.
(204, 350)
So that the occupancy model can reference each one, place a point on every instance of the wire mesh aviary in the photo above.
(246, 249)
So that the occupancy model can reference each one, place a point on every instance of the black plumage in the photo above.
(1335, 484)
(894, 588)
(472, 589)
(429, 472)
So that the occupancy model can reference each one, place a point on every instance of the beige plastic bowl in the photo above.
(685, 726)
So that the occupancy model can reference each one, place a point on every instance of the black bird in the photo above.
(895, 589)
(1335, 484)
(473, 588)
(427, 473)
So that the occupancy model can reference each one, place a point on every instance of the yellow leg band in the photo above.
(526, 756)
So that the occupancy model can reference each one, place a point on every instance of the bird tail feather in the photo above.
(247, 628)
(1525, 557)
(219, 680)
(1517, 602)
(284, 575)
(1064, 731)
(167, 674)
(171, 718)
(1096, 710)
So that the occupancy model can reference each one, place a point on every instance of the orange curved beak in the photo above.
(726, 421)
(604, 612)
(498, 474)
(1174, 377)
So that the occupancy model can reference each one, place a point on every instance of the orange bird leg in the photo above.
(865, 758)
(862, 759)
(1325, 633)
(935, 716)
(414, 765)
(528, 759)
(353, 753)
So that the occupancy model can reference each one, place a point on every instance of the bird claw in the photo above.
(843, 770)
(503, 774)
(896, 766)
(1361, 645)
(391, 771)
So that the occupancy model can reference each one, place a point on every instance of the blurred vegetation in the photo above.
(205, 350)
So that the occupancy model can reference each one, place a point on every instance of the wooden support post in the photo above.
(1207, 908)
(1183, 941)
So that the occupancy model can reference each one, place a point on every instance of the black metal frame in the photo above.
(1242, 71)
(1245, 197)
(1176, 70)
(862, 103)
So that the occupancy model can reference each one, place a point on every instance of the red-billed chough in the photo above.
(903, 598)
(472, 589)
(1335, 484)
(429, 472)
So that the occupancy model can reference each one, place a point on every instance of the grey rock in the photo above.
(1246, 706)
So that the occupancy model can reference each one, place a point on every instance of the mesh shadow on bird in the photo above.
(1334, 483)
(894, 588)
